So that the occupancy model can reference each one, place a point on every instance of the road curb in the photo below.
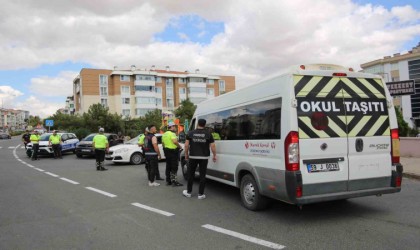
(411, 176)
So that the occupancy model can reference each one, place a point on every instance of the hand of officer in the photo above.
(214, 158)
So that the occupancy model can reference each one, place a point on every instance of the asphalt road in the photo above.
(67, 204)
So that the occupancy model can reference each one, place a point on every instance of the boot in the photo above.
(98, 166)
(174, 181)
(102, 166)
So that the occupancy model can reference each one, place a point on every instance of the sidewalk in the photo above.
(411, 167)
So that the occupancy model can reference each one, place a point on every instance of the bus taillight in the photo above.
(291, 151)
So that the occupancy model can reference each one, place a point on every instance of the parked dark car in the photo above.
(5, 136)
(84, 147)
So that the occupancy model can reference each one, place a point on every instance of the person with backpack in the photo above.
(152, 153)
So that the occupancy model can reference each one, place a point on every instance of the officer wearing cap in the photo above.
(55, 141)
(101, 145)
(35, 144)
(171, 149)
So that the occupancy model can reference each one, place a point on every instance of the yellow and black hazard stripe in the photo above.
(353, 106)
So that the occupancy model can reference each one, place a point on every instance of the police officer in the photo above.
(215, 135)
(147, 162)
(171, 148)
(197, 152)
(151, 150)
(34, 138)
(101, 145)
(55, 141)
(26, 138)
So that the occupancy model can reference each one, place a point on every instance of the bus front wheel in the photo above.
(250, 194)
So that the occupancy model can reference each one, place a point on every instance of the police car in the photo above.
(69, 141)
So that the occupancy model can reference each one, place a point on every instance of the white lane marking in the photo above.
(244, 237)
(41, 170)
(70, 181)
(101, 192)
(12, 147)
(53, 175)
(152, 209)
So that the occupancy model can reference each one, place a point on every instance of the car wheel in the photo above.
(136, 159)
(250, 194)
(79, 155)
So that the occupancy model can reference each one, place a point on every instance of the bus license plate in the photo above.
(323, 167)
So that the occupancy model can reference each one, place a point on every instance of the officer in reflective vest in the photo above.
(101, 145)
(35, 137)
(171, 149)
(55, 142)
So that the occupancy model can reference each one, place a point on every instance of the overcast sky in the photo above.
(44, 44)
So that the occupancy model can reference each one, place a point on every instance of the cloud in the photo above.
(38, 107)
(183, 36)
(259, 38)
(8, 95)
(61, 85)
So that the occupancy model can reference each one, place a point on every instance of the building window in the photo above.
(182, 80)
(210, 81)
(125, 100)
(222, 87)
(158, 79)
(142, 112)
(197, 90)
(104, 102)
(145, 88)
(126, 112)
(210, 92)
(145, 100)
(169, 103)
(197, 79)
(124, 78)
(125, 90)
(159, 101)
(182, 91)
(103, 80)
(169, 88)
(145, 77)
(103, 91)
(158, 90)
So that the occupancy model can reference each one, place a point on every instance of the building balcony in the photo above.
(147, 106)
(197, 95)
(144, 83)
(197, 85)
(146, 94)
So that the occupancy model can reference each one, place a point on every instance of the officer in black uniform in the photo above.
(197, 151)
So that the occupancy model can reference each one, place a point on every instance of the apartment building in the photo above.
(11, 119)
(400, 67)
(133, 92)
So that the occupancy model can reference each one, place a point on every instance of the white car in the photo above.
(69, 141)
(130, 152)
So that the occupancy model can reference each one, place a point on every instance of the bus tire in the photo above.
(250, 194)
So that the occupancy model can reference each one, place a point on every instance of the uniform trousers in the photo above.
(192, 167)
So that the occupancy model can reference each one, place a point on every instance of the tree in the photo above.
(34, 121)
(99, 116)
(403, 128)
(152, 117)
(185, 111)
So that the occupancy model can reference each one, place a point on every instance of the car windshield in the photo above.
(89, 137)
(45, 137)
(134, 141)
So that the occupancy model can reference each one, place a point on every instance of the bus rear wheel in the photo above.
(250, 194)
